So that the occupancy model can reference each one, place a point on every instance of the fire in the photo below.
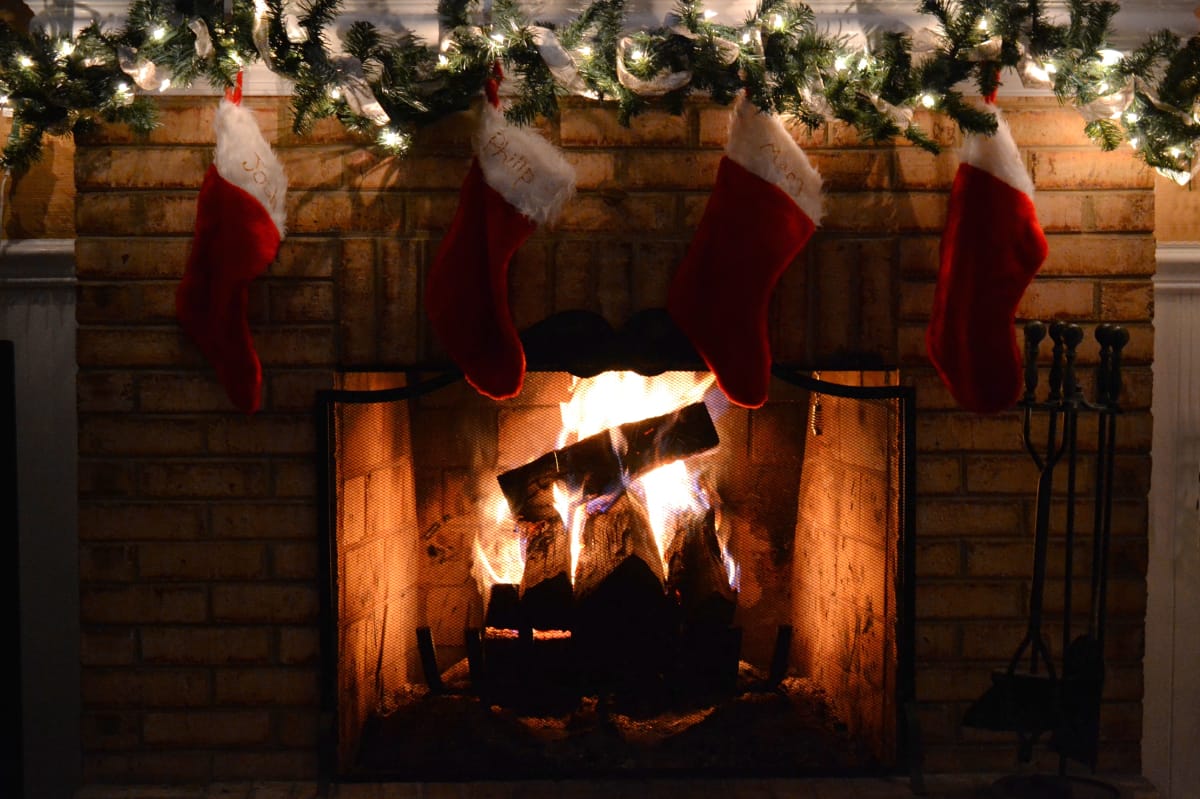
(672, 494)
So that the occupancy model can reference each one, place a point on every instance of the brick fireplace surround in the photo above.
(198, 526)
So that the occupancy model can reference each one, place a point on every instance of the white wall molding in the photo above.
(1171, 706)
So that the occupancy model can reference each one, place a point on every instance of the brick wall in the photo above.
(198, 539)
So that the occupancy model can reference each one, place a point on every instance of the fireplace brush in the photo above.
(1037, 698)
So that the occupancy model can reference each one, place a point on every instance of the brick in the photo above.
(217, 646)
(1000, 474)
(853, 170)
(299, 646)
(294, 479)
(165, 767)
(175, 393)
(143, 603)
(1096, 254)
(129, 521)
(939, 475)
(103, 435)
(295, 346)
(201, 561)
(950, 684)
(320, 212)
(207, 728)
(107, 563)
(262, 602)
(299, 729)
(311, 258)
(416, 171)
(109, 731)
(108, 647)
(1115, 211)
(289, 764)
(294, 561)
(592, 170)
(918, 169)
(301, 302)
(142, 257)
(295, 390)
(1120, 300)
(668, 169)
(312, 168)
(978, 599)
(532, 268)
(218, 480)
(269, 687)
(937, 640)
(271, 520)
(431, 213)
(400, 307)
(1039, 127)
(595, 279)
(378, 212)
(640, 213)
(98, 392)
(146, 688)
(105, 479)
(939, 559)
(134, 347)
(261, 434)
(918, 256)
(1069, 169)
(942, 432)
(1058, 299)
(41, 203)
(969, 517)
(1061, 211)
(143, 167)
(145, 213)
(357, 296)
(589, 126)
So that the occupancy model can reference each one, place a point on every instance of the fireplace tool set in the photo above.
(1033, 696)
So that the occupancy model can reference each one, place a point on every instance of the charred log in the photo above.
(546, 594)
(596, 464)
(697, 573)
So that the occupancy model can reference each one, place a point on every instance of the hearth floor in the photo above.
(937, 787)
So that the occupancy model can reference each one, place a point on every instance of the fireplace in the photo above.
(617, 574)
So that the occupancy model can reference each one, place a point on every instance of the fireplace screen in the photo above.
(616, 575)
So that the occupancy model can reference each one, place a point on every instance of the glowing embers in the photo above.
(614, 538)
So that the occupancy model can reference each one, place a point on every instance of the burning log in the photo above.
(698, 575)
(624, 624)
(612, 537)
(546, 584)
(596, 464)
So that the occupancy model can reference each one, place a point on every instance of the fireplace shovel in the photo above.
(1078, 733)
(1026, 702)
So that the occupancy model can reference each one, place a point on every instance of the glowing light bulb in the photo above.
(928, 100)
(746, 38)
(335, 93)
(1135, 142)
(498, 37)
(235, 58)
(777, 22)
(839, 63)
(1110, 58)
(158, 34)
(25, 62)
(122, 88)
(391, 139)
(443, 61)
(1103, 88)
(709, 13)
(1051, 68)
(982, 24)
(863, 63)
(1175, 152)
(585, 51)
(445, 45)
(66, 47)
(637, 55)
(1131, 117)
(166, 84)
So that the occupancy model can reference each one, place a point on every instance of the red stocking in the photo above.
(762, 211)
(991, 249)
(516, 181)
(239, 224)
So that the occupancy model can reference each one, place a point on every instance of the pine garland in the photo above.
(387, 84)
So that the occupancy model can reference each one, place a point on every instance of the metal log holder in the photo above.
(1031, 697)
